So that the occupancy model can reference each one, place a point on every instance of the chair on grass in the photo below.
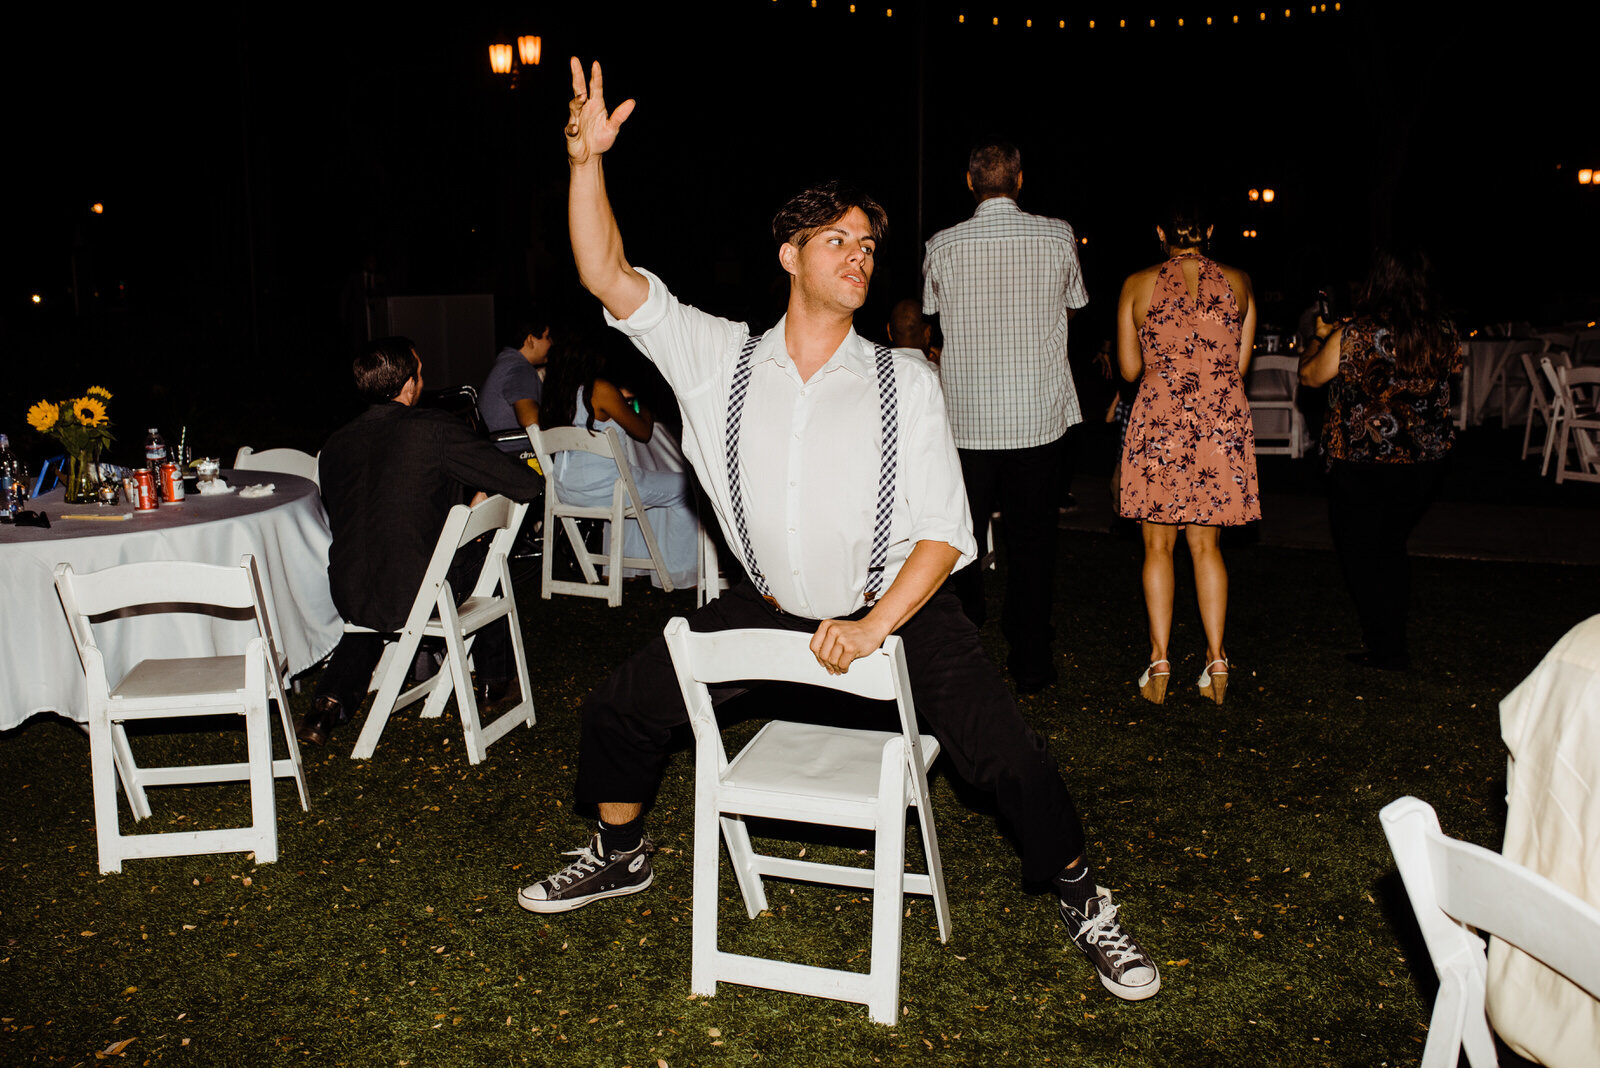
(1579, 432)
(1540, 404)
(435, 614)
(1508, 379)
(625, 505)
(1457, 888)
(288, 461)
(1271, 389)
(810, 774)
(176, 689)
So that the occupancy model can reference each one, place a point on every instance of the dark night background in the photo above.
(248, 164)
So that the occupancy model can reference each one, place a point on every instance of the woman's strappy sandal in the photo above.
(1153, 683)
(1214, 680)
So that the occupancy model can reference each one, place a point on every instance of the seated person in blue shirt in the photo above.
(511, 393)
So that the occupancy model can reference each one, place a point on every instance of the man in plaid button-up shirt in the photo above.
(1004, 283)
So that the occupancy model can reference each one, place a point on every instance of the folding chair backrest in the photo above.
(288, 461)
(785, 656)
(546, 443)
(171, 582)
(175, 585)
(1451, 883)
(1541, 395)
(1273, 378)
(1576, 378)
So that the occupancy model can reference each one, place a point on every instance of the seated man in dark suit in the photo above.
(389, 478)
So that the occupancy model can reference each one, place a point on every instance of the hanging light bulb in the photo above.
(500, 58)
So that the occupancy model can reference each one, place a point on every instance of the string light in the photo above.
(1268, 196)
(1255, 194)
(100, 209)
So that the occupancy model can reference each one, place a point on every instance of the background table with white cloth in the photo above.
(286, 531)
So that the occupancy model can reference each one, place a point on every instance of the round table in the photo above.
(286, 531)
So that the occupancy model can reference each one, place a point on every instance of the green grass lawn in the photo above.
(1243, 842)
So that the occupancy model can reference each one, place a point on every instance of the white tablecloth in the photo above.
(287, 532)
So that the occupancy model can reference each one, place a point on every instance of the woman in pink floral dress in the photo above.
(1184, 332)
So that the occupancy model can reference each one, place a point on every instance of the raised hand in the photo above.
(590, 130)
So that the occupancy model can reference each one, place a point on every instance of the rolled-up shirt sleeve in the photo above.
(688, 346)
(932, 488)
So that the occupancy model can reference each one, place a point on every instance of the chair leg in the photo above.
(103, 776)
(743, 857)
(263, 807)
(128, 768)
(619, 535)
(456, 656)
(888, 885)
(1445, 1029)
(393, 665)
(707, 851)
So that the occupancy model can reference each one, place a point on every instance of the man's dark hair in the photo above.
(811, 210)
(384, 366)
(994, 168)
(529, 321)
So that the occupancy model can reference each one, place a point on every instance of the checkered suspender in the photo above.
(741, 386)
(888, 411)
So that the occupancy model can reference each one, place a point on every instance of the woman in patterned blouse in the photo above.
(1385, 439)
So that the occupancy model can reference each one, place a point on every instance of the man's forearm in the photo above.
(920, 577)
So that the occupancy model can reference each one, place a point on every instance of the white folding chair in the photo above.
(626, 504)
(435, 614)
(1579, 432)
(1456, 887)
(1508, 378)
(712, 581)
(178, 688)
(1539, 404)
(288, 461)
(811, 774)
(1550, 366)
(1271, 388)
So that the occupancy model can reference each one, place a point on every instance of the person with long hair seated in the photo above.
(1385, 439)
(578, 392)
(1185, 327)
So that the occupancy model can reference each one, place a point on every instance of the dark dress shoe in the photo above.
(1029, 682)
(317, 726)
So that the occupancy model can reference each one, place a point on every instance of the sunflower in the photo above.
(91, 411)
(98, 391)
(43, 416)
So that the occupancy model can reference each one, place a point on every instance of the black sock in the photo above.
(623, 838)
(1075, 885)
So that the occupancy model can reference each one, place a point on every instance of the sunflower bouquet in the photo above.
(83, 427)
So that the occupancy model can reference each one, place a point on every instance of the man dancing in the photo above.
(787, 431)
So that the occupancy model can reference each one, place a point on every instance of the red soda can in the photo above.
(171, 483)
(146, 500)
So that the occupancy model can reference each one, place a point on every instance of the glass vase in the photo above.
(78, 478)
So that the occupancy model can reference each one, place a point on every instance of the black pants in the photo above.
(960, 698)
(355, 658)
(1021, 485)
(1372, 509)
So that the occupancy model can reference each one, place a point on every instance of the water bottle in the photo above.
(155, 452)
(13, 480)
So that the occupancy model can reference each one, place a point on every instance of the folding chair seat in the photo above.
(811, 774)
(1271, 388)
(289, 461)
(1456, 887)
(179, 688)
(626, 505)
(1578, 436)
(435, 614)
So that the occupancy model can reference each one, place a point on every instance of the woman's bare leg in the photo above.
(1211, 586)
(1159, 538)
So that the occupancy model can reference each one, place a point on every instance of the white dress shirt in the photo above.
(810, 453)
(1002, 283)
